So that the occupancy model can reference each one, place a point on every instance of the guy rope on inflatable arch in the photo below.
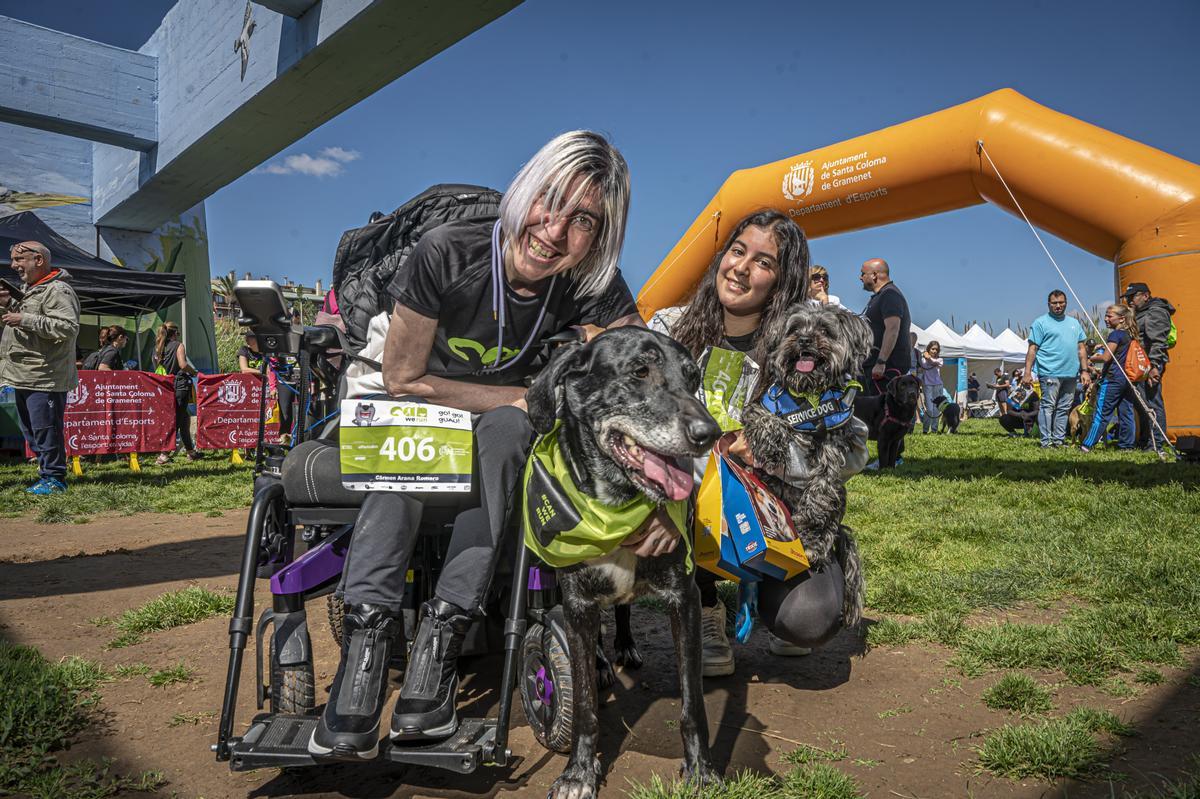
(1116, 198)
(1137, 395)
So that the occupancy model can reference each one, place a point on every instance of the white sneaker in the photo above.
(717, 654)
(780, 647)
(873, 466)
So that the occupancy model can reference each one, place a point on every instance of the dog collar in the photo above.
(563, 526)
(809, 413)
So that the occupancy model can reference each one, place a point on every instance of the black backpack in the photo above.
(368, 257)
(93, 361)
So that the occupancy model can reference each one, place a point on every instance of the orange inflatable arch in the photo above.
(1107, 194)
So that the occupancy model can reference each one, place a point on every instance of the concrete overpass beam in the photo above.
(289, 8)
(64, 84)
(215, 125)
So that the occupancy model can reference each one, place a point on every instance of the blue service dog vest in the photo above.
(811, 413)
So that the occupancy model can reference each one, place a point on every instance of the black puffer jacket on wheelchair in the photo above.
(368, 257)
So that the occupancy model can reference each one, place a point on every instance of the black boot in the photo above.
(349, 727)
(425, 707)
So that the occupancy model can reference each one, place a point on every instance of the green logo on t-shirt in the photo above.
(462, 346)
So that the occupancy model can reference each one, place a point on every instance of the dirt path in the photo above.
(907, 722)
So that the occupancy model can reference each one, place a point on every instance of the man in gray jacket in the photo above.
(1154, 325)
(37, 357)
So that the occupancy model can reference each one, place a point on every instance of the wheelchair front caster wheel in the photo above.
(547, 689)
(293, 688)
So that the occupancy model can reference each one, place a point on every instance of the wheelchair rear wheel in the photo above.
(292, 687)
(547, 690)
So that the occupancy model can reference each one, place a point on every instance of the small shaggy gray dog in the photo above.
(820, 349)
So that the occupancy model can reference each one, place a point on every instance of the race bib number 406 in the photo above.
(404, 446)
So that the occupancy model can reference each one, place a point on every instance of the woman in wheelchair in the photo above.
(472, 304)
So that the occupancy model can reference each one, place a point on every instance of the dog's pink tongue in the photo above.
(675, 482)
(805, 365)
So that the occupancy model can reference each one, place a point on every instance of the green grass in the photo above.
(125, 671)
(1118, 687)
(1148, 677)
(83, 676)
(186, 606)
(805, 754)
(43, 707)
(179, 673)
(818, 781)
(230, 337)
(652, 603)
(210, 484)
(1051, 749)
(743, 785)
(1019, 693)
(1186, 786)
(88, 779)
(179, 719)
(1100, 721)
(978, 522)
(811, 781)
(43, 704)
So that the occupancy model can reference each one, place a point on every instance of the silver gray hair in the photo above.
(578, 153)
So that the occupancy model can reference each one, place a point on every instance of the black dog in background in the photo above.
(951, 415)
(889, 417)
(629, 417)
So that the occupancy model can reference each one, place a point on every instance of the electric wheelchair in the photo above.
(293, 510)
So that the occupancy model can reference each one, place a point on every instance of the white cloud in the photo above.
(328, 163)
(341, 154)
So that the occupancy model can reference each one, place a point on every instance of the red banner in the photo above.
(120, 411)
(227, 412)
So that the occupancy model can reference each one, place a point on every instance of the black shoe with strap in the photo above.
(425, 709)
(349, 726)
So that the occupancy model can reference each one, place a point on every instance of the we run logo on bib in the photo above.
(405, 446)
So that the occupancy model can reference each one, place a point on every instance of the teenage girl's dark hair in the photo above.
(702, 323)
(109, 335)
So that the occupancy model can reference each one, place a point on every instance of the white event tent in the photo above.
(1013, 345)
(973, 351)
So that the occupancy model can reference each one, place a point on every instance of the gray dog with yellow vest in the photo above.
(618, 422)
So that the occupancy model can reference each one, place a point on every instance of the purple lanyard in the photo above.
(498, 306)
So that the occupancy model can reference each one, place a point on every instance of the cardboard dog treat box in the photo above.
(714, 547)
(742, 530)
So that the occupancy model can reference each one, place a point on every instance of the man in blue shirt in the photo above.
(1056, 342)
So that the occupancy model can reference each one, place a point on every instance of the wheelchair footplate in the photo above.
(281, 741)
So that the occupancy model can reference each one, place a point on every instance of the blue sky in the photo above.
(691, 92)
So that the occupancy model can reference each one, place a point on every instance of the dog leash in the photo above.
(747, 599)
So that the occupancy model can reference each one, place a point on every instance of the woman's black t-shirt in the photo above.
(170, 363)
(252, 358)
(448, 277)
(110, 356)
(740, 343)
